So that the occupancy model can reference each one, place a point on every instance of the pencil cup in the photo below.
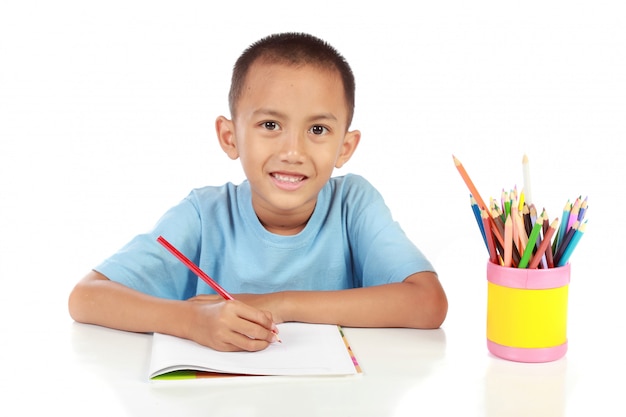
(527, 312)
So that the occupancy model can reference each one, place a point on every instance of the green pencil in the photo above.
(532, 240)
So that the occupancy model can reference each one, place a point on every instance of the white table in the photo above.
(90, 370)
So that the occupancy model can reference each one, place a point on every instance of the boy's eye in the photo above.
(318, 130)
(270, 125)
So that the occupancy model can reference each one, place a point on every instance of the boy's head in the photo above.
(296, 49)
(291, 100)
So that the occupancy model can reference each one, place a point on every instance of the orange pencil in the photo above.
(479, 199)
(469, 183)
(522, 237)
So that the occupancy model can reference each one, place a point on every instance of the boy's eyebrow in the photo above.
(280, 115)
(268, 112)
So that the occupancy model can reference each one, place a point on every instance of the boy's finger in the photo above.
(241, 342)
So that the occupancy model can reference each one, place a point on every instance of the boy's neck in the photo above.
(284, 228)
(286, 225)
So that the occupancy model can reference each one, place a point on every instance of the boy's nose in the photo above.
(293, 148)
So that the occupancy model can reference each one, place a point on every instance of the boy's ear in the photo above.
(350, 143)
(225, 129)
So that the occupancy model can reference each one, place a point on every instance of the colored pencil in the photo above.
(491, 246)
(506, 204)
(494, 209)
(479, 221)
(470, 184)
(199, 272)
(530, 246)
(522, 237)
(526, 173)
(533, 214)
(562, 227)
(549, 257)
(498, 226)
(544, 225)
(583, 210)
(573, 213)
(528, 225)
(508, 242)
(565, 242)
(544, 246)
(481, 203)
(567, 252)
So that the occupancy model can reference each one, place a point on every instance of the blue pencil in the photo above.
(567, 252)
(583, 210)
(563, 228)
(479, 220)
(569, 234)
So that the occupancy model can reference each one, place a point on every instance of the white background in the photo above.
(107, 112)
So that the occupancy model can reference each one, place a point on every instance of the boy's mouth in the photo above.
(288, 182)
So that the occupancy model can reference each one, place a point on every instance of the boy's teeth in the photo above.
(287, 178)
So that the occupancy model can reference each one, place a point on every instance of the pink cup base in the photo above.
(533, 355)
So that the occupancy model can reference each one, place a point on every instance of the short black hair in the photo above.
(292, 48)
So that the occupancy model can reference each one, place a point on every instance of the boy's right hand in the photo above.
(230, 325)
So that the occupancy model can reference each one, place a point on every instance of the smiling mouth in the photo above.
(291, 179)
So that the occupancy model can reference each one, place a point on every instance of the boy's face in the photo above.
(290, 132)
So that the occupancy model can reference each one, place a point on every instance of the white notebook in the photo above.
(306, 349)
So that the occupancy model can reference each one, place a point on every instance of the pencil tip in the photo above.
(525, 159)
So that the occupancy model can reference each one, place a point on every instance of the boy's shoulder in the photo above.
(351, 182)
(217, 194)
(353, 187)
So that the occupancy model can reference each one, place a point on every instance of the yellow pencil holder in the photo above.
(527, 312)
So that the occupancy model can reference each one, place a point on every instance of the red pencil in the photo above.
(493, 255)
(543, 247)
(221, 291)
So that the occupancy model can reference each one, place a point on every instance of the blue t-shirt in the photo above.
(351, 240)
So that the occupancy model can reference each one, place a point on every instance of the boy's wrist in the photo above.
(178, 318)
(284, 309)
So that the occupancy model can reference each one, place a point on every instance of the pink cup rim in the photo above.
(524, 278)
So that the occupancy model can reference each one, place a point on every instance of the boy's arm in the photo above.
(417, 302)
(220, 324)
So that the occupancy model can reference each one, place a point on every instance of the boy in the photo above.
(290, 243)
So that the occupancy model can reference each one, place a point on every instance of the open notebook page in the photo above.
(306, 349)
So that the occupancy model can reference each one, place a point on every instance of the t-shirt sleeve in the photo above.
(145, 265)
(382, 252)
